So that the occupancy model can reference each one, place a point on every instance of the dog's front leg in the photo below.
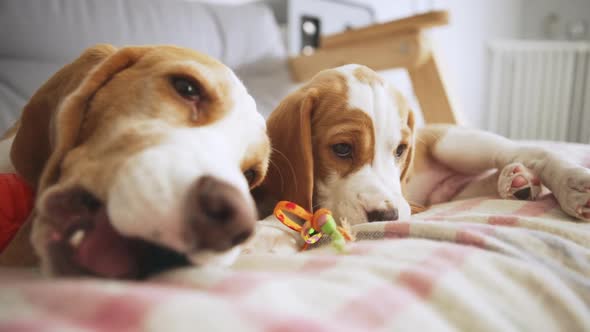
(472, 151)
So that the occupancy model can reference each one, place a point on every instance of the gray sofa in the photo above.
(37, 37)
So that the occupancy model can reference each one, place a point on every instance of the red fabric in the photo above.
(16, 203)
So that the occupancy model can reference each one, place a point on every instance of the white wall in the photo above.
(551, 19)
(462, 47)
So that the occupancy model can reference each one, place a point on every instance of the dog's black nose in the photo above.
(382, 215)
(218, 214)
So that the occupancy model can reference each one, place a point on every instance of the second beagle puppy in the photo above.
(347, 141)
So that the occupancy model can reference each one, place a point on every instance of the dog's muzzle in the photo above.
(218, 215)
(84, 240)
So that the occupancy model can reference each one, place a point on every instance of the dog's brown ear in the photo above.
(50, 122)
(408, 127)
(406, 170)
(290, 173)
(32, 144)
(410, 123)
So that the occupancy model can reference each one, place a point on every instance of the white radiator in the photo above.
(540, 90)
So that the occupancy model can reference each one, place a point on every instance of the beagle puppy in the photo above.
(142, 159)
(347, 141)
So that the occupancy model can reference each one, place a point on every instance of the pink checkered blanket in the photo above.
(474, 265)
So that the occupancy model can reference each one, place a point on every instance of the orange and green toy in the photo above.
(315, 225)
(16, 203)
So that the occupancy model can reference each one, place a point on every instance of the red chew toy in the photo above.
(16, 203)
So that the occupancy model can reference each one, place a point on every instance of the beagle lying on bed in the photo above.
(142, 159)
(347, 141)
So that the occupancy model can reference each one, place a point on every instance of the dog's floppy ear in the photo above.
(408, 127)
(406, 170)
(50, 122)
(290, 173)
(410, 122)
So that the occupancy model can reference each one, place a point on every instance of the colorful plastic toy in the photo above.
(315, 225)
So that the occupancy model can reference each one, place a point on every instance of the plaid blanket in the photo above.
(474, 265)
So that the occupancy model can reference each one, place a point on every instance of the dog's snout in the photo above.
(383, 215)
(215, 202)
(218, 214)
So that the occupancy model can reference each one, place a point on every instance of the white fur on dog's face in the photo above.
(376, 184)
(144, 199)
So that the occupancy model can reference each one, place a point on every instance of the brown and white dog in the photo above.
(142, 159)
(347, 141)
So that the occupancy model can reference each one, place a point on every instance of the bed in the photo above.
(475, 265)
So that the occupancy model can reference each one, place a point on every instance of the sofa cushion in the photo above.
(40, 36)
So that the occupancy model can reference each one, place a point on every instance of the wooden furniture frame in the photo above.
(395, 44)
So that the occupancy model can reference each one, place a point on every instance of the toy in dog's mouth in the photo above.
(89, 245)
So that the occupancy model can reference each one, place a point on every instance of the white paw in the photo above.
(271, 237)
(573, 193)
(516, 181)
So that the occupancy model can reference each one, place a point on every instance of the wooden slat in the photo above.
(430, 89)
(389, 45)
(417, 22)
(406, 51)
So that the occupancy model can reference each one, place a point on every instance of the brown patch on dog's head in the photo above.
(341, 125)
(367, 76)
(408, 132)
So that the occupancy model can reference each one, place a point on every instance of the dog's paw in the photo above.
(516, 181)
(573, 193)
(271, 238)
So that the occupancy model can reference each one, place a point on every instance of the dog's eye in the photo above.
(399, 151)
(186, 88)
(250, 175)
(342, 150)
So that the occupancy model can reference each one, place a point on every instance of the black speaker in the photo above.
(310, 30)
